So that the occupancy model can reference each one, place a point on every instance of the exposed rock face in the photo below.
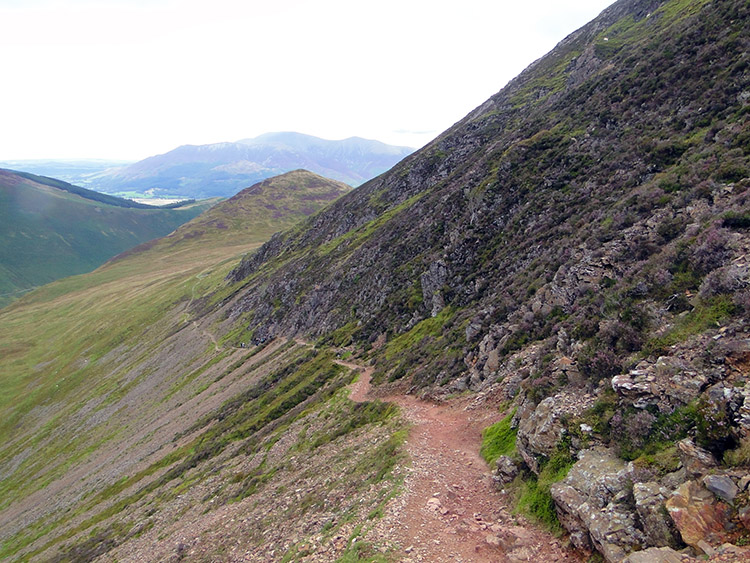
(540, 432)
(591, 505)
(700, 517)
(695, 459)
(666, 384)
(657, 526)
(432, 282)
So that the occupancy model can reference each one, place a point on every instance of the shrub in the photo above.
(710, 251)
(735, 220)
(740, 456)
(598, 364)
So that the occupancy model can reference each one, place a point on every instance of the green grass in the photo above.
(47, 233)
(499, 439)
(430, 327)
(706, 314)
(533, 493)
(57, 343)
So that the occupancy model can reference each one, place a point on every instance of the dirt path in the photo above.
(208, 335)
(451, 510)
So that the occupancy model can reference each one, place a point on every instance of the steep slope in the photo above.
(576, 244)
(50, 229)
(104, 373)
(220, 169)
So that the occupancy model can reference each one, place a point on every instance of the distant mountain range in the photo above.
(223, 169)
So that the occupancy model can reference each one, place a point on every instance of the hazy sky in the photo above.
(126, 79)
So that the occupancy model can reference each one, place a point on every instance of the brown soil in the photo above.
(451, 510)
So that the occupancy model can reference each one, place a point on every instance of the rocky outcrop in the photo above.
(432, 283)
(700, 517)
(658, 528)
(592, 504)
(541, 429)
(667, 383)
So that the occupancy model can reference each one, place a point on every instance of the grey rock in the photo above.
(540, 430)
(506, 469)
(695, 459)
(722, 486)
(590, 504)
(432, 282)
(657, 526)
(673, 480)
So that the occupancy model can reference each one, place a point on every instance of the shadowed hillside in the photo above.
(50, 229)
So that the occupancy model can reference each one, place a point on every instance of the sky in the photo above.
(127, 79)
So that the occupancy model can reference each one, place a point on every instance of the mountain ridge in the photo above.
(51, 229)
(219, 168)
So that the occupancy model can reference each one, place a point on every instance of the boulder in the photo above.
(695, 459)
(700, 518)
(540, 431)
(506, 469)
(722, 486)
(591, 503)
(658, 527)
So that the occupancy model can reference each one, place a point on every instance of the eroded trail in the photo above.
(451, 510)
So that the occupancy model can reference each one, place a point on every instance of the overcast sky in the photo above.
(126, 79)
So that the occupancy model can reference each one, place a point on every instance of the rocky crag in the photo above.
(578, 246)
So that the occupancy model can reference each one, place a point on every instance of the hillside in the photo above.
(566, 266)
(115, 354)
(221, 169)
(50, 229)
(575, 246)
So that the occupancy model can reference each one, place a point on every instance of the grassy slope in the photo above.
(47, 233)
(103, 372)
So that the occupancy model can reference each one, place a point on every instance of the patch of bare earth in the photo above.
(450, 509)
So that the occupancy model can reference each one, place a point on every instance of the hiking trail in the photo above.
(450, 509)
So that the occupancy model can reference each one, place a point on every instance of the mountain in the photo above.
(50, 229)
(570, 259)
(220, 169)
